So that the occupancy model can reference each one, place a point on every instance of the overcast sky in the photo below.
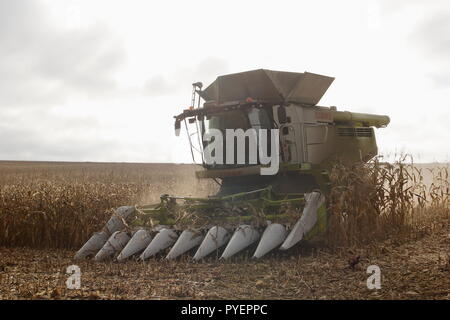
(101, 80)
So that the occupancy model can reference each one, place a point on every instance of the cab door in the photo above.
(289, 127)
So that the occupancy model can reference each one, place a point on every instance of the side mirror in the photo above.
(177, 127)
(281, 111)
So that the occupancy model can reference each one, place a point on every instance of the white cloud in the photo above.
(105, 78)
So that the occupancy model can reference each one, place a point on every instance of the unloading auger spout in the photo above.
(250, 213)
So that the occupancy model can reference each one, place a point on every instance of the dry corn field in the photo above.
(394, 216)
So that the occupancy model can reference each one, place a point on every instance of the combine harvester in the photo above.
(250, 210)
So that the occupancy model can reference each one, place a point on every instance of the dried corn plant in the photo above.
(372, 201)
(46, 214)
(59, 205)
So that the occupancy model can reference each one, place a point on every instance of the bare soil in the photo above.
(410, 269)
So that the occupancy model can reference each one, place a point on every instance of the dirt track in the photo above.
(416, 269)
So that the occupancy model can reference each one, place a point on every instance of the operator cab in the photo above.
(250, 118)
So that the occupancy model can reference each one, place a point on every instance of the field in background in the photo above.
(55, 207)
(59, 205)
